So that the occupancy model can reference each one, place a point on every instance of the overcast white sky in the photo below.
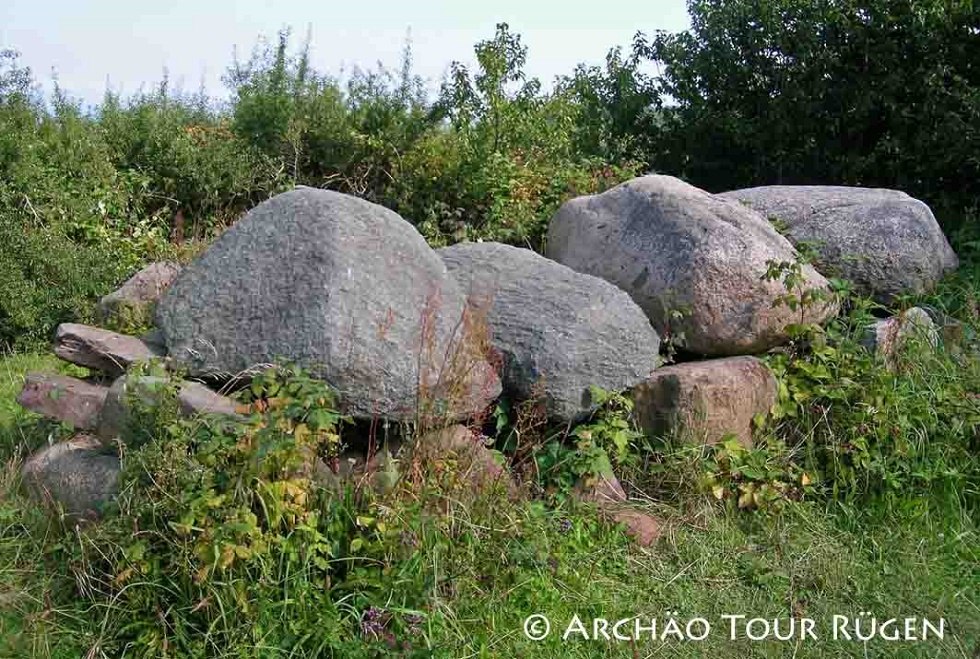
(129, 43)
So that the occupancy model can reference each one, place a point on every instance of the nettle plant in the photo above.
(760, 477)
(855, 427)
(609, 438)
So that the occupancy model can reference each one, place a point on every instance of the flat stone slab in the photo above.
(100, 349)
(74, 474)
(193, 398)
(73, 401)
(196, 398)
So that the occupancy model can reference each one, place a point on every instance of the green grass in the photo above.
(477, 572)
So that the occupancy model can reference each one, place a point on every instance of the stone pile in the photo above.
(351, 292)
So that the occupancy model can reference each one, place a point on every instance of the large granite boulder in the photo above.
(694, 262)
(559, 331)
(74, 474)
(884, 241)
(342, 287)
(706, 401)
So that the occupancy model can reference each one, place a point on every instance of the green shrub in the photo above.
(47, 279)
(187, 160)
(876, 93)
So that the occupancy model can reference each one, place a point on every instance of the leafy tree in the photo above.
(618, 105)
(869, 92)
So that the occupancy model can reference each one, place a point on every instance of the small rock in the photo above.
(708, 399)
(606, 492)
(70, 400)
(193, 398)
(645, 529)
(132, 304)
(74, 474)
(473, 462)
(100, 349)
(604, 489)
(890, 337)
(379, 471)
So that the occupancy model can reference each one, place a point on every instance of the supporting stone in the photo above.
(100, 349)
(73, 474)
(70, 400)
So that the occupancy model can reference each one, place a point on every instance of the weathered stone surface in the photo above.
(338, 285)
(193, 398)
(707, 399)
(559, 331)
(100, 349)
(891, 337)
(74, 474)
(155, 341)
(133, 301)
(63, 398)
(884, 241)
(675, 248)
(472, 462)
(604, 489)
(606, 492)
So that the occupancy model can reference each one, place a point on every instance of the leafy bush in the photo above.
(226, 517)
(875, 93)
(194, 175)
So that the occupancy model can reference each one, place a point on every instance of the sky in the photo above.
(128, 44)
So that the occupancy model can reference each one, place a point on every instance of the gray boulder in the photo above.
(694, 262)
(74, 474)
(342, 287)
(892, 337)
(100, 349)
(559, 331)
(884, 241)
(132, 304)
